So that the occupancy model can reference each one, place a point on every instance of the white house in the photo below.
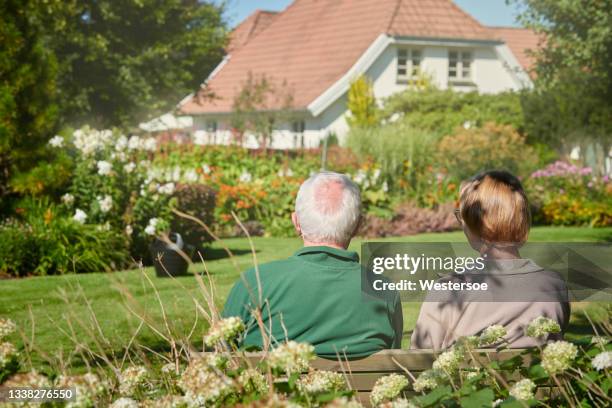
(315, 48)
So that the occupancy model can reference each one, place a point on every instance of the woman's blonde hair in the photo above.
(494, 207)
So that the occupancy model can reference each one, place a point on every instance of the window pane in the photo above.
(402, 53)
(467, 56)
(416, 54)
(401, 71)
(452, 55)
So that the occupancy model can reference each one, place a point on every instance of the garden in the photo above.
(88, 202)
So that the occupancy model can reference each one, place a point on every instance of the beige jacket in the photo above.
(518, 292)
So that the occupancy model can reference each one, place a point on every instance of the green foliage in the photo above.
(44, 240)
(197, 200)
(361, 104)
(121, 62)
(441, 112)
(27, 89)
(471, 151)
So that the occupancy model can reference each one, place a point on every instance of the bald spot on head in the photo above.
(328, 196)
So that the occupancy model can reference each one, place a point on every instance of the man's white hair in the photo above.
(328, 208)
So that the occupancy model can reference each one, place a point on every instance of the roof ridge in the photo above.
(395, 11)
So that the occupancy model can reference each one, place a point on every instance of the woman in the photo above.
(494, 213)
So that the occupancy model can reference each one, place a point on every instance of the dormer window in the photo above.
(460, 66)
(408, 63)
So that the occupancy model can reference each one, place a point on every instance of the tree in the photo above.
(27, 89)
(574, 75)
(260, 105)
(362, 103)
(123, 62)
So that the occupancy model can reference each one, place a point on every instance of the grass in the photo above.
(56, 311)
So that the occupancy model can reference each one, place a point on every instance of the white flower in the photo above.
(360, 177)
(104, 168)
(497, 403)
(558, 356)
(31, 379)
(427, 380)
(167, 189)
(541, 326)
(129, 230)
(252, 380)
(7, 326)
(150, 144)
(291, 357)
(151, 228)
(601, 341)
(449, 361)
(376, 174)
(7, 353)
(199, 138)
(467, 125)
(104, 227)
(245, 177)
(224, 329)
(134, 143)
(68, 199)
(191, 176)
(523, 390)
(56, 141)
(89, 141)
(169, 369)
(121, 143)
(602, 361)
(206, 169)
(106, 203)
(344, 402)
(317, 382)
(385, 187)
(387, 388)
(129, 167)
(80, 216)
(87, 388)
(124, 403)
(203, 385)
(492, 335)
(131, 378)
(399, 403)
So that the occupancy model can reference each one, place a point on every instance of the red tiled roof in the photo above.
(313, 43)
(520, 41)
(249, 28)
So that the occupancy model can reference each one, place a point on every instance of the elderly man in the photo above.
(315, 295)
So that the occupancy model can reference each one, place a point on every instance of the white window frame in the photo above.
(409, 62)
(298, 127)
(461, 58)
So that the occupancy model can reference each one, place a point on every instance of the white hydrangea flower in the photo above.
(68, 199)
(601, 341)
(224, 329)
(387, 388)
(385, 187)
(106, 203)
(134, 143)
(88, 141)
(129, 230)
(56, 141)
(427, 380)
(80, 216)
(203, 386)
(131, 378)
(124, 402)
(104, 168)
(150, 144)
(523, 390)
(121, 143)
(558, 356)
(7, 326)
(245, 177)
(252, 380)
(317, 382)
(398, 403)
(291, 357)
(344, 402)
(602, 361)
(87, 388)
(191, 176)
(449, 361)
(151, 228)
(31, 379)
(129, 167)
(7, 353)
(169, 368)
(542, 326)
(167, 189)
(492, 335)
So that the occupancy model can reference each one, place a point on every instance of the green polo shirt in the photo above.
(318, 293)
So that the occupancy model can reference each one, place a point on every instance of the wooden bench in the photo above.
(363, 373)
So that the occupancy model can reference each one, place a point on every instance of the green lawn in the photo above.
(58, 308)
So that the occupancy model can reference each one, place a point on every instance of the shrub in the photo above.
(471, 151)
(197, 200)
(44, 240)
(442, 111)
